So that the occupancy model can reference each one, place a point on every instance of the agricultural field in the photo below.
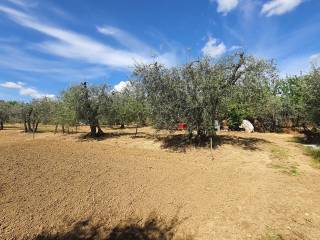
(184, 120)
(154, 185)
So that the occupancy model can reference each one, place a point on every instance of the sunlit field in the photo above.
(146, 185)
(160, 120)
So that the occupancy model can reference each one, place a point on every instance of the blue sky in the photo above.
(46, 46)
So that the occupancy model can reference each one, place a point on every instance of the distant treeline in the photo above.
(231, 88)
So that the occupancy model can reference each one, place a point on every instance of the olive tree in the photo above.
(191, 93)
(65, 109)
(39, 110)
(89, 102)
(312, 96)
(128, 106)
(255, 96)
(293, 95)
(4, 113)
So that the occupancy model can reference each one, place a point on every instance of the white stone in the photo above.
(247, 126)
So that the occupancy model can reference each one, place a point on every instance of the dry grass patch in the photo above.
(272, 236)
(280, 160)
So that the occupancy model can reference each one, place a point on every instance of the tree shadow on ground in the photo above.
(153, 228)
(104, 136)
(182, 142)
(298, 139)
(313, 139)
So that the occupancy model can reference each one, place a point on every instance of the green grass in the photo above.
(280, 161)
(290, 170)
(279, 153)
(315, 155)
(272, 236)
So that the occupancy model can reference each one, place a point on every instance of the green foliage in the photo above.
(255, 96)
(127, 107)
(87, 105)
(293, 93)
(4, 111)
(65, 108)
(191, 93)
(312, 96)
(38, 111)
(236, 114)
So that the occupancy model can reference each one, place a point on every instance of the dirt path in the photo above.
(258, 186)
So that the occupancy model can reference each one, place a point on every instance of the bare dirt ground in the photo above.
(251, 186)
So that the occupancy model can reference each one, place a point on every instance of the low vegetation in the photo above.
(315, 154)
(281, 161)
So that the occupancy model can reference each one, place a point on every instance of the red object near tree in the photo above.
(182, 126)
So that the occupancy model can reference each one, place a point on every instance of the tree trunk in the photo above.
(190, 134)
(29, 126)
(100, 132)
(93, 130)
(33, 126)
(25, 126)
(56, 129)
(136, 130)
(36, 127)
(201, 135)
(122, 126)
(62, 128)
(1, 125)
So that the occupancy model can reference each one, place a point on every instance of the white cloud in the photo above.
(279, 7)
(235, 47)
(23, 3)
(24, 90)
(315, 59)
(20, 3)
(19, 60)
(213, 49)
(121, 86)
(132, 43)
(12, 85)
(225, 6)
(76, 46)
(126, 39)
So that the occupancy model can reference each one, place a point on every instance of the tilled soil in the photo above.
(251, 186)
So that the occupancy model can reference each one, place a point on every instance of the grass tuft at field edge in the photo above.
(315, 154)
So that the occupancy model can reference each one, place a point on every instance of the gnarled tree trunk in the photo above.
(95, 130)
